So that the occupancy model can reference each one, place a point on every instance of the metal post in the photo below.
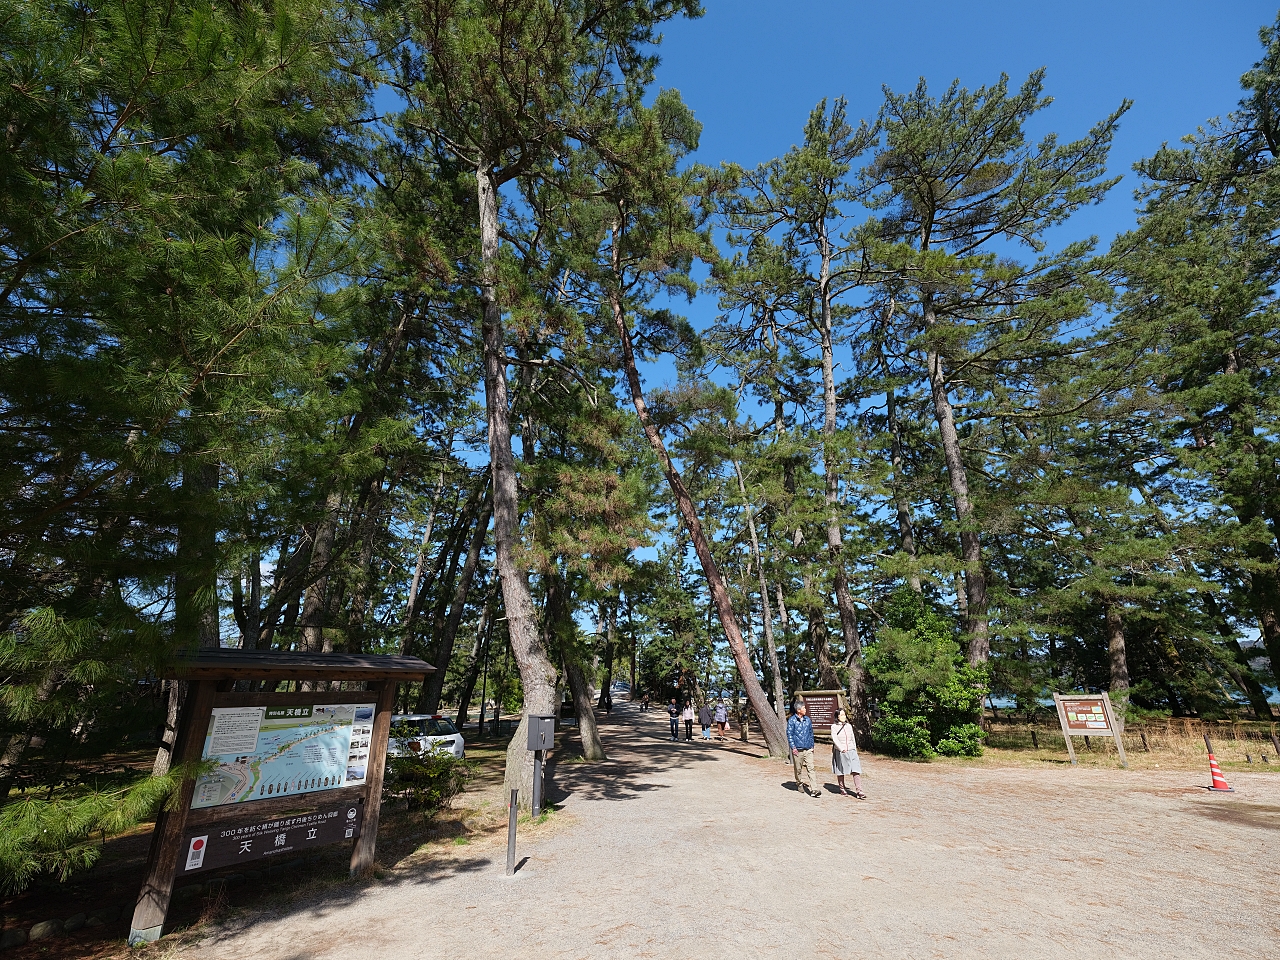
(537, 783)
(511, 833)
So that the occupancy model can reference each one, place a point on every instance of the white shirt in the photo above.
(842, 737)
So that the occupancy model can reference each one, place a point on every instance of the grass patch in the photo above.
(1175, 744)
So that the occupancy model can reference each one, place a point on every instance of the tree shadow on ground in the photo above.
(639, 747)
(327, 891)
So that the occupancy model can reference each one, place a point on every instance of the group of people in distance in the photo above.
(844, 752)
(709, 718)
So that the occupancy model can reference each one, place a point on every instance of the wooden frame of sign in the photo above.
(218, 818)
(822, 705)
(1087, 715)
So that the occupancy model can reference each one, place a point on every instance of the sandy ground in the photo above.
(689, 850)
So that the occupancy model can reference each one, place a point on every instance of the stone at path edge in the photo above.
(12, 938)
(45, 928)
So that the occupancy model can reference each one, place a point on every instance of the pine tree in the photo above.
(957, 184)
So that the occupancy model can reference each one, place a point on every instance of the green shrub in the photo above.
(962, 740)
(902, 737)
(926, 689)
(426, 781)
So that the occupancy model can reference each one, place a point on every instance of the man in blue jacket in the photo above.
(800, 737)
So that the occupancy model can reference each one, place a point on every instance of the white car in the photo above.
(416, 732)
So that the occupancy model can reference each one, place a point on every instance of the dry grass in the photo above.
(1176, 744)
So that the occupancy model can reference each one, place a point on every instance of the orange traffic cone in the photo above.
(1219, 781)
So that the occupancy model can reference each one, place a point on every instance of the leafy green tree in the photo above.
(1200, 277)
(505, 87)
(168, 222)
(800, 202)
(956, 184)
(927, 692)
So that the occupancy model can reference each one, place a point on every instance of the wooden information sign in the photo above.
(823, 705)
(281, 772)
(1087, 715)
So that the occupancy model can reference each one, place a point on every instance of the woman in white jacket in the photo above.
(844, 755)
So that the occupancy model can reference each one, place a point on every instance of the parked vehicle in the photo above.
(416, 732)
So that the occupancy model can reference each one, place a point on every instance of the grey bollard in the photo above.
(511, 833)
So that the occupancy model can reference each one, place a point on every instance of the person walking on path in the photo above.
(704, 719)
(687, 717)
(644, 702)
(844, 755)
(722, 720)
(800, 737)
(674, 713)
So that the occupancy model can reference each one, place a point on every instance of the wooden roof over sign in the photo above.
(282, 665)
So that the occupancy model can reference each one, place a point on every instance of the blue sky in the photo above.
(753, 69)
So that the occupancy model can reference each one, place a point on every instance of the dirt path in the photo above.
(698, 851)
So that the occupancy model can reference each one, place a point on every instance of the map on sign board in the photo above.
(267, 752)
(1085, 715)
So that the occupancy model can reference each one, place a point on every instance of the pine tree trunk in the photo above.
(858, 709)
(1264, 596)
(434, 686)
(1240, 672)
(903, 507)
(313, 607)
(770, 646)
(11, 758)
(774, 734)
(253, 614)
(175, 692)
(1119, 688)
(611, 623)
(449, 553)
(537, 673)
(788, 671)
(583, 709)
(196, 619)
(420, 565)
(970, 544)
(635, 652)
(479, 651)
(444, 586)
(835, 538)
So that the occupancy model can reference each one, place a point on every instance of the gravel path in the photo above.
(697, 851)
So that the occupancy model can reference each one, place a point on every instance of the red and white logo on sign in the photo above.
(195, 854)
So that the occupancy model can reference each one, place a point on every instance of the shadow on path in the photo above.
(639, 747)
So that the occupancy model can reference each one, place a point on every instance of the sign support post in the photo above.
(166, 839)
(1085, 715)
(363, 850)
